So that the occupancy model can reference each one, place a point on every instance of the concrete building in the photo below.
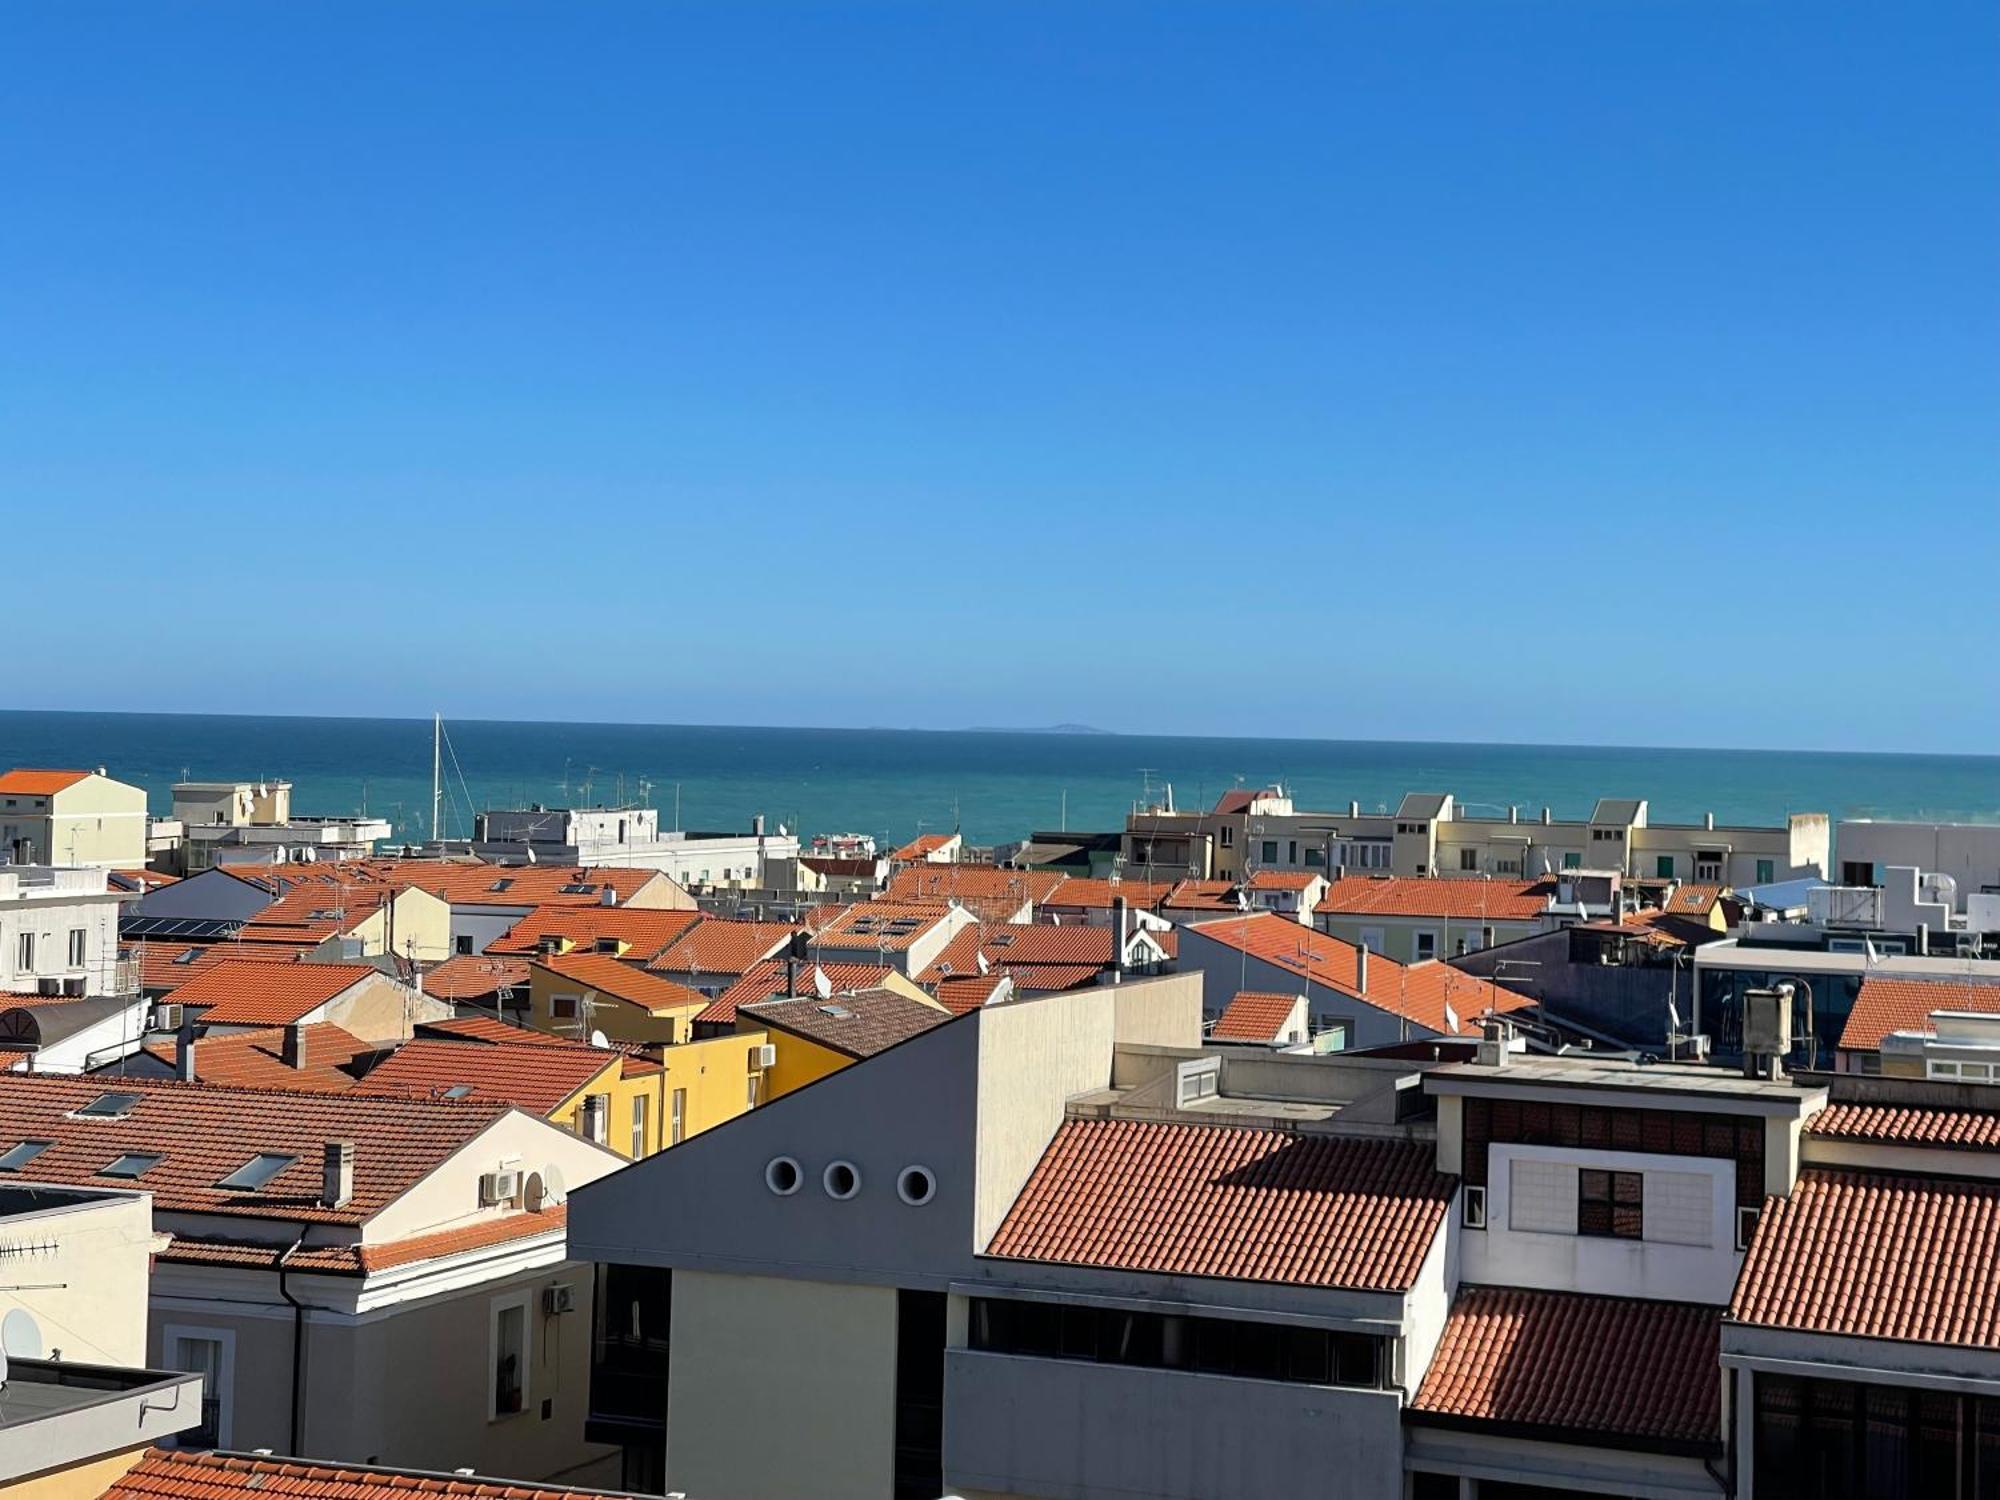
(59, 932)
(631, 838)
(354, 1278)
(252, 823)
(1969, 853)
(68, 1429)
(71, 818)
(1430, 834)
(1414, 919)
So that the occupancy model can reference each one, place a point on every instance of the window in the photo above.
(1425, 946)
(1767, 871)
(1708, 864)
(678, 1121)
(1473, 1206)
(1228, 837)
(462, 943)
(27, 963)
(508, 1392)
(1292, 852)
(211, 1354)
(1168, 1341)
(563, 1007)
(1663, 866)
(19, 1156)
(77, 938)
(257, 1171)
(638, 1126)
(1371, 939)
(1572, 861)
(1468, 859)
(1270, 854)
(131, 1164)
(751, 1086)
(1315, 858)
(108, 1107)
(1611, 1204)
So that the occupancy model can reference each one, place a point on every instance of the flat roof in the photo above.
(1714, 1084)
(41, 1388)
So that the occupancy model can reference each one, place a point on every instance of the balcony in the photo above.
(1071, 1428)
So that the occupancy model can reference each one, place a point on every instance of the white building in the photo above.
(71, 818)
(631, 838)
(1969, 853)
(59, 932)
(251, 822)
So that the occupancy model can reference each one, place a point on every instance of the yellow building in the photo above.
(814, 1036)
(579, 994)
(72, 818)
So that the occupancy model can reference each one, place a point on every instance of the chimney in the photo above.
(607, 894)
(1514, 813)
(1354, 807)
(1545, 817)
(1117, 939)
(337, 1174)
(1492, 1050)
(1708, 821)
(184, 1050)
(295, 1046)
(757, 825)
(1361, 969)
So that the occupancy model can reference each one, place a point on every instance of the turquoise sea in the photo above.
(996, 786)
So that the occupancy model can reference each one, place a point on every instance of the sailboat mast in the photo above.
(437, 777)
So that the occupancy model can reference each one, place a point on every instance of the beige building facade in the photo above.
(72, 818)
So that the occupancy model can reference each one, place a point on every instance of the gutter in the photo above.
(298, 1339)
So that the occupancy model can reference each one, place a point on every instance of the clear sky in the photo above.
(1610, 371)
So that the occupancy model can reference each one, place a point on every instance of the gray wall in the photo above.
(1626, 1002)
(1070, 1430)
(211, 895)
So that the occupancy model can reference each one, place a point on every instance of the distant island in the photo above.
(1041, 729)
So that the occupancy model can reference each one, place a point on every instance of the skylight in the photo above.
(504, 884)
(257, 1171)
(22, 1154)
(109, 1107)
(132, 1164)
(458, 1091)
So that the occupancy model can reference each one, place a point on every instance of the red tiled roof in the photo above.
(1578, 1364)
(165, 966)
(646, 932)
(1254, 1016)
(180, 1475)
(923, 845)
(885, 926)
(621, 981)
(487, 1029)
(963, 992)
(239, 993)
(203, 1132)
(1019, 944)
(1693, 900)
(1229, 1201)
(1418, 991)
(256, 1059)
(1878, 1256)
(534, 1077)
(1202, 895)
(1097, 895)
(768, 979)
(146, 880)
(466, 882)
(475, 976)
(1283, 880)
(857, 1025)
(1460, 900)
(716, 946)
(1901, 1125)
(24, 782)
(1885, 1005)
(989, 890)
(1051, 979)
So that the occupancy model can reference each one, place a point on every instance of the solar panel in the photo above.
(193, 929)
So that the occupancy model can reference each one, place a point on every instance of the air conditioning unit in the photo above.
(167, 1017)
(558, 1299)
(497, 1188)
(765, 1056)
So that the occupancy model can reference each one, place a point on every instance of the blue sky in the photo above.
(1610, 373)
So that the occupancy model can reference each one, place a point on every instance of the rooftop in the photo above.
(1876, 1255)
(768, 979)
(238, 993)
(24, 781)
(1582, 1071)
(857, 1025)
(621, 981)
(1254, 1016)
(1884, 1005)
(715, 946)
(1908, 1125)
(531, 1075)
(886, 925)
(1090, 894)
(646, 932)
(1567, 1365)
(1230, 1201)
(475, 976)
(176, 1475)
(1464, 900)
(256, 1059)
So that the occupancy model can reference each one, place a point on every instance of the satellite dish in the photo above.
(600, 1040)
(20, 1337)
(545, 1189)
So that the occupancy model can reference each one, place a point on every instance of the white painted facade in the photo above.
(59, 931)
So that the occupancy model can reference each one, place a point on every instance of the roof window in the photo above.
(257, 1171)
(131, 1164)
(21, 1155)
(109, 1107)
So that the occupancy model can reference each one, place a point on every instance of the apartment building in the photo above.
(233, 995)
(71, 818)
(361, 1279)
(1411, 919)
(1968, 854)
(59, 932)
(906, 937)
(1431, 834)
(812, 1036)
(252, 823)
(631, 838)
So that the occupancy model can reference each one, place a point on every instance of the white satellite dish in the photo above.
(553, 1190)
(20, 1336)
(599, 1039)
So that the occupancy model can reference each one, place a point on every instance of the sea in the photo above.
(992, 785)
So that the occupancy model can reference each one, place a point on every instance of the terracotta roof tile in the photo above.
(963, 992)
(468, 882)
(1885, 1005)
(534, 1077)
(166, 966)
(857, 1025)
(1202, 895)
(768, 979)
(1904, 1125)
(1097, 895)
(1283, 880)
(1878, 1256)
(487, 1029)
(1229, 1201)
(475, 976)
(716, 946)
(1418, 991)
(1693, 900)
(989, 891)
(1254, 1016)
(880, 926)
(25, 782)
(203, 1132)
(256, 1059)
(622, 981)
(239, 993)
(1461, 900)
(173, 1475)
(1578, 1365)
(923, 846)
(646, 932)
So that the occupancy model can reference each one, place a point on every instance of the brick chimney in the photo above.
(337, 1174)
(295, 1046)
